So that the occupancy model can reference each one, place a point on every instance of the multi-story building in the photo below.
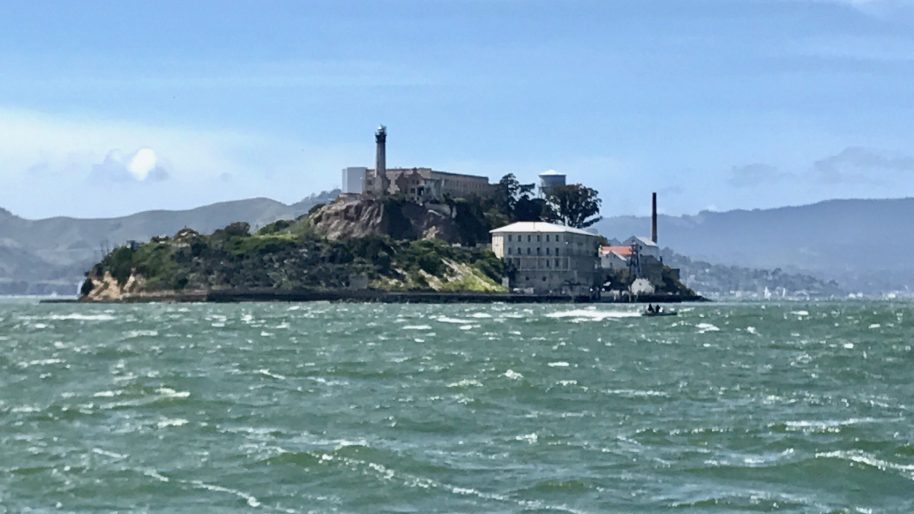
(546, 258)
(426, 184)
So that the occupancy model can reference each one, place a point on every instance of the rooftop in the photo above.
(646, 241)
(426, 172)
(541, 227)
(620, 250)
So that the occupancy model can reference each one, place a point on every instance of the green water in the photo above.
(468, 408)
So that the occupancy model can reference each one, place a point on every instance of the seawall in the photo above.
(368, 296)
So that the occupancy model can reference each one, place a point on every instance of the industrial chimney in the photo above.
(380, 138)
(654, 217)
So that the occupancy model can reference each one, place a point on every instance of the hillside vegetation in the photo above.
(289, 255)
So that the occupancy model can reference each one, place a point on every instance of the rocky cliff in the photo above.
(352, 217)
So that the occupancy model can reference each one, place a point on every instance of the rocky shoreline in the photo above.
(369, 296)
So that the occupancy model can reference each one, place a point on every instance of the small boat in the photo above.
(658, 312)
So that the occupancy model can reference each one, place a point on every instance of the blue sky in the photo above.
(107, 108)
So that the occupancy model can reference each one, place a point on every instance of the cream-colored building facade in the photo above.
(545, 258)
(426, 184)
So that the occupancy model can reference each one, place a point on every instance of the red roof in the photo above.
(624, 251)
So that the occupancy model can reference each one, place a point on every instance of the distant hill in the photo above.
(864, 245)
(51, 255)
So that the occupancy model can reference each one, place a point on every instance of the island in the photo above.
(403, 234)
(362, 249)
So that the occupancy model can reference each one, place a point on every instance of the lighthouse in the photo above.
(381, 183)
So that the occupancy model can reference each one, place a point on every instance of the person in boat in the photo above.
(650, 308)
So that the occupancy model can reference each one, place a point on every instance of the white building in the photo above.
(616, 258)
(645, 247)
(546, 258)
(354, 180)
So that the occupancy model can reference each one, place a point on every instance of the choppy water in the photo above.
(370, 408)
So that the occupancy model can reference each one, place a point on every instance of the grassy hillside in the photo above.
(289, 255)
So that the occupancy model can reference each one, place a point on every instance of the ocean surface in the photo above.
(793, 407)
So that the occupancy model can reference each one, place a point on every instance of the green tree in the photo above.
(574, 205)
(532, 209)
(508, 192)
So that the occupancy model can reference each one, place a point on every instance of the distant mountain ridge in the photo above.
(864, 245)
(51, 255)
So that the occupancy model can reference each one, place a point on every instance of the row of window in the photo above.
(537, 263)
(530, 252)
(555, 237)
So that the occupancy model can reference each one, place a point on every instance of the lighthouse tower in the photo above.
(381, 182)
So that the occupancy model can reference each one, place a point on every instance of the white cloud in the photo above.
(140, 166)
(74, 145)
(47, 161)
(143, 162)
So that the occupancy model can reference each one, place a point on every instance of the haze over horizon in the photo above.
(110, 109)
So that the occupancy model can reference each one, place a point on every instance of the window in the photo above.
(528, 250)
(558, 263)
(510, 250)
(509, 238)
(547, 238)
(547, 264)
(529, 238)
(558, 237)
(556, 250)
(538, 238)
(547, 248)
(538, 250)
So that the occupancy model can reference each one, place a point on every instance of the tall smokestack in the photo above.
(654, 217)
(380, 138)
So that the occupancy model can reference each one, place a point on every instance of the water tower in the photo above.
(550, 179)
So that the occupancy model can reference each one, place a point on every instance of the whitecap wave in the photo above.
(171, 422)
(592, 315)
(861, 457)
(455, 321)
(250, 499)
(706, 327)
(168, 392)
(513, 375)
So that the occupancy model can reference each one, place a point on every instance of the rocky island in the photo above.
(392, 248)
(352, 248)
(401, 234)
